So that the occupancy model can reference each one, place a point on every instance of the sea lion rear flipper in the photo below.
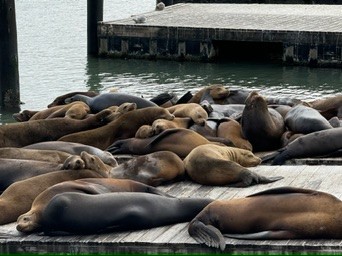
(269, 234)
(206, 234)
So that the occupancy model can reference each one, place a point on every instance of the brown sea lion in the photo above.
(124, 127)
(145, 131)
(120, 110)
(79, 213)
(179, 141)
(60, 100)
(329, 106)
(192, 110)
(76, 110)
(18, 197)
(217, 92)
(75, 149)
(160, 125)
(26, 133)
(231, 129)
(52, 156)
(24, 115)
(261, 126)
(222, 165)
(279, 213)
(31, 221)
(152, 169)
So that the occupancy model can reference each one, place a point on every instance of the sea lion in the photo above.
(329, 106)
(216, 92)
(52, 156)
(12, 170)
(261, 126)
(106, 100)
(165, 99)
(231, 129)
(60, 100)
(145, 131)
(124, 127)
(120, 110)
(178, 140)
(24, 115)
(160, 125)
(73, 212)
(221, 111)
(152, 169)
(221, 165)
(310, 145)
(75, 110)
(31, 221)
(18, 197)
(26, 133)
(304, 119)
(192, 110)
(279, 213)
(75, 149)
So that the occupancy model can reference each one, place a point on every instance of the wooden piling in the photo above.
(9, 73)
(94, 15)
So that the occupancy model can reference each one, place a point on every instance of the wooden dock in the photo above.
(292, 33)
(175, 238)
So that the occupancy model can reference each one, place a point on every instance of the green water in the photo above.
(53, 61)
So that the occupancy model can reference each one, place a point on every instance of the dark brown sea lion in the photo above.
(79, 213)
(313, 144)
(124, 127)
(304, 119)
(26, 133)
(152, 169)
(75, 149)
(261, 126)
(60, 100)
(30, 221)
(179, 141)
(13, 170)
(222, 165)
(280, 213)
(105, 100)
(18, 197)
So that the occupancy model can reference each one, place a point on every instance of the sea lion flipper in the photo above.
(283, 190)
(161, 135)
(269, 234)
(206, 234)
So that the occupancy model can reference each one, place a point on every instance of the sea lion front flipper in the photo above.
(269, 234)
(250, 178)
(162, 135)
(206, 234)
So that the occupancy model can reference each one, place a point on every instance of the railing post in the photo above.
(9, 72)
(94, 15)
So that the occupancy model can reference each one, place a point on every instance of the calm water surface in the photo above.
(53, 61)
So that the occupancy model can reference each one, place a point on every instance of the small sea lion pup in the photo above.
(279, 213)
(221, 165)
(193, 110)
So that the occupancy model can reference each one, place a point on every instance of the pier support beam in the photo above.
(9, 72)
(94, 15)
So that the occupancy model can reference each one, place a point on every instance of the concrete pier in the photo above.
(289, 33)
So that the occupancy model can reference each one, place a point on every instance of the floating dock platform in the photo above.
(290, 33)
(175, 238)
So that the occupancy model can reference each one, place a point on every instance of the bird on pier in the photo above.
(139, 19)
(160, 6)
